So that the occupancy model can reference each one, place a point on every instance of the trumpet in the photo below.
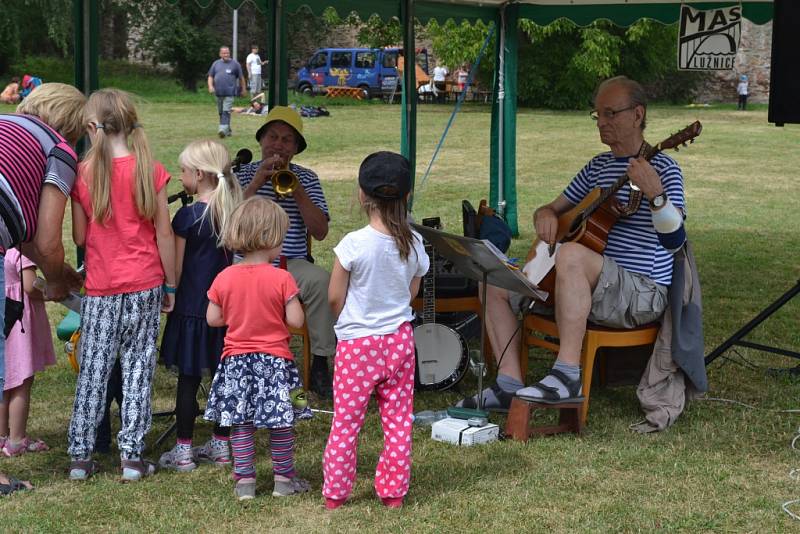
(284, 182)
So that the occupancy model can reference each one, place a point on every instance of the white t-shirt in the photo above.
(439, 73)
(742, 88)
(378, 297)
(253, 63)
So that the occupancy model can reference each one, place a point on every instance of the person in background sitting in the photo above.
(29, 83)
(256, 107)
(10, 94)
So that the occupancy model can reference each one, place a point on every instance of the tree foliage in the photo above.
(178, 34)
(560, 64)
(34, 27)
(457, 44)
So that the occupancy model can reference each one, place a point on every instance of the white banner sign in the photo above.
(708, 40)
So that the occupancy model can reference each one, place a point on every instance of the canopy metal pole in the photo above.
(277, 55)
(408, 142)
(501, 98)
(235, 34)
(86, 53)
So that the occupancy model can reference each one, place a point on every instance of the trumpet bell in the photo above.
(284, 182)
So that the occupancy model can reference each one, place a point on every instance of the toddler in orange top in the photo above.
(256, 384)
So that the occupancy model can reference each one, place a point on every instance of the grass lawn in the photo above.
(722, 467)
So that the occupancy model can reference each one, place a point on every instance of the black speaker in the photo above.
(784, 84)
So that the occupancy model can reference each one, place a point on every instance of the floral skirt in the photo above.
(255, 388)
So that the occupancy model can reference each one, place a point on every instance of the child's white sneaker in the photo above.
(180, 459)
(213, 451)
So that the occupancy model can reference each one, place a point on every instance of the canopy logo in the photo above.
(708, 40)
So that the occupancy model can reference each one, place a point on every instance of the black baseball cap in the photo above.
(385, 175)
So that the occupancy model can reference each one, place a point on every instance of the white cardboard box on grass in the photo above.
(458, 432)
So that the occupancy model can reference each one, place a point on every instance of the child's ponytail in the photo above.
(226, 196)
(99, 163)
(212, 159)
(394, 214)
(145, 184)
(111, 111)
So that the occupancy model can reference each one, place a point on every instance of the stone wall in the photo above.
(752, 59)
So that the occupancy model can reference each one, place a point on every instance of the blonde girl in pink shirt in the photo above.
(120, 216)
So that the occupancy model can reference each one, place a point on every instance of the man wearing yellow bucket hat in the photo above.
(281, 138)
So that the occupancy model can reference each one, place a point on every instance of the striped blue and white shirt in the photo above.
(294, 246)
(633, 241)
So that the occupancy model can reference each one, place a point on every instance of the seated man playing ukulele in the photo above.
(624, 287)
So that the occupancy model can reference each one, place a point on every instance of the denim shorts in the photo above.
(621, 299)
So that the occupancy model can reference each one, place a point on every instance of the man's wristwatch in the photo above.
(658, 202)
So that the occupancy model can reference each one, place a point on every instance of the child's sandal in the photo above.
(135, 470)
(82, 469)
(10, 449)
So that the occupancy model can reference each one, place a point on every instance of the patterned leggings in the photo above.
(126, 324)
(281, 444)
(384, 364)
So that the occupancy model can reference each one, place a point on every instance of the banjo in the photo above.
(442, 354)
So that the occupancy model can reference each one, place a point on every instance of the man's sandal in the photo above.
(503, 397)
(82, 469)
(135, 470)
(12, 486)
(549, 394)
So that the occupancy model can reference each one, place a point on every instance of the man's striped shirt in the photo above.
(294, 246)
(633, 241)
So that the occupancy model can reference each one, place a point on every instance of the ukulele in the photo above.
(589, 222)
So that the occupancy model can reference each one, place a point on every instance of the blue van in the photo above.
(373, 70)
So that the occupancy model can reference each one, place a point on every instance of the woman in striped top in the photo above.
(37, 171)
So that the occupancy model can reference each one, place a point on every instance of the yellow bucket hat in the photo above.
(289, 116)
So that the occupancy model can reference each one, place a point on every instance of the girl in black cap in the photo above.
(376, 272)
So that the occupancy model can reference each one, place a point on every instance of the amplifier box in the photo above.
(459, 432)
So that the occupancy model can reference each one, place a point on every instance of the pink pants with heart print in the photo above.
(384, 364)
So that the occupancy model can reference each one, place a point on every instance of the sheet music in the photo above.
(542, 263)
(474, 257)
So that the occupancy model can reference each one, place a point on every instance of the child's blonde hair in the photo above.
(112, 111)
(212, 159)
(60, 106)
(256, 224)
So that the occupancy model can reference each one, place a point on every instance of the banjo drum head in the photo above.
(439, 355)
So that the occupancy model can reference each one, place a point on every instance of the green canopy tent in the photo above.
(504, 14)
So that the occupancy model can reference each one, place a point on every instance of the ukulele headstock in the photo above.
(683, 137)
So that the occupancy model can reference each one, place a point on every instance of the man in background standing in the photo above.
(226, 81)
(254, 63)
(440, 73)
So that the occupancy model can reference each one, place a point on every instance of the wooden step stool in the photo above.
(518, 424)
(572, 416)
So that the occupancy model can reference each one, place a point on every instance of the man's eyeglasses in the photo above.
(608, 114)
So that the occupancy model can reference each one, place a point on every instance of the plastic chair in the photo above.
(303, 330)
(572, 417)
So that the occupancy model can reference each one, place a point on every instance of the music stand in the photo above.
(481, 261)
(736, 338)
